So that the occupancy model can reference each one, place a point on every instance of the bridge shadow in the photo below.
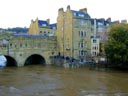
(35, 59)
(11, 62)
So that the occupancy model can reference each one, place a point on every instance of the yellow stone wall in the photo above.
(44, 30)
(68, 33)
(68, 28)
(68, 38)
(34, 28)
(60, 30)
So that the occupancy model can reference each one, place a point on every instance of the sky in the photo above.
(19, 13)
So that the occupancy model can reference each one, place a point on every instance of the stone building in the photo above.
(42, 27)
(95, 46)
(101, 26)
(99, 32)
(20, 49)
(73, 33)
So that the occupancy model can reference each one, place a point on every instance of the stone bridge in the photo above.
(25, 49)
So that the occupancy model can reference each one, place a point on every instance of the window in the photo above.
(100, 29)
(107, 24)
(94, 53)
(44, 25)
(16, 46)
(81, 15)
(44, 33)
(74, 14)
(95, 47)
(81, 60)
(82, 33)
(20, 45)
(26, 45)
(53, 27)
(82, 23)
(100, 23)
(82, 52)
(81, 45)
(10, 45)
(35, 45)
(4, 45)
(94, 40)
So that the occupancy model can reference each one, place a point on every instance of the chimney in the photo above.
(61, 9)
(109, 20)
(37, 19)
(124, 21)
(68, 7)
(32, 21)
(48, 20)
(83, 10)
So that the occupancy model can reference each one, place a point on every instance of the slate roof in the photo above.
(27, 35)
(53, 26)
(43, 23)
(103, 21)
(30, 35)
(79, 13)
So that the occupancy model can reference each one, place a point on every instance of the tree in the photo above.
(116, 47)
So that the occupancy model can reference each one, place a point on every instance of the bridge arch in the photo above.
(10, 61)
(35, 59)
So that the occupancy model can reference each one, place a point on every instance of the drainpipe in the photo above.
(8, 48)
(94, 28)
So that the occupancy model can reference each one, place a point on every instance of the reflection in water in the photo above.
(53, 81)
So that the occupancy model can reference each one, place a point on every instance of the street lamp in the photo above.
(6, 42)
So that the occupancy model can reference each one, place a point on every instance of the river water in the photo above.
(55, 81)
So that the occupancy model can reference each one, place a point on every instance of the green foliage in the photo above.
(116, 48)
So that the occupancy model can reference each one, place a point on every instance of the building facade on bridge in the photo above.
(23, 49)
(42, 27)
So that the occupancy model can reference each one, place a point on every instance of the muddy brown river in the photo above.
(55, 81)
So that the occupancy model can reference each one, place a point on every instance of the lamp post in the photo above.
(6, 42)
(8, 47)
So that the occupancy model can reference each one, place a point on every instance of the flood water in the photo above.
(37, 80)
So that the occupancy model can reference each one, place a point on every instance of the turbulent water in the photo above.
(55, 81)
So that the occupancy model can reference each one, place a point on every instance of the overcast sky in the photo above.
(18, 13)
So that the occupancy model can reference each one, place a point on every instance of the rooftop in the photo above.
(43, 23)
(81, 14)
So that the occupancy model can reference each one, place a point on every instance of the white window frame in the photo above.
(82, 33)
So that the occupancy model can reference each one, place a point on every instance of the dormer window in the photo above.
(100, 24)
(81, 15)
(74, 14)
(53, 27)
(107, 24)
(44, 25)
